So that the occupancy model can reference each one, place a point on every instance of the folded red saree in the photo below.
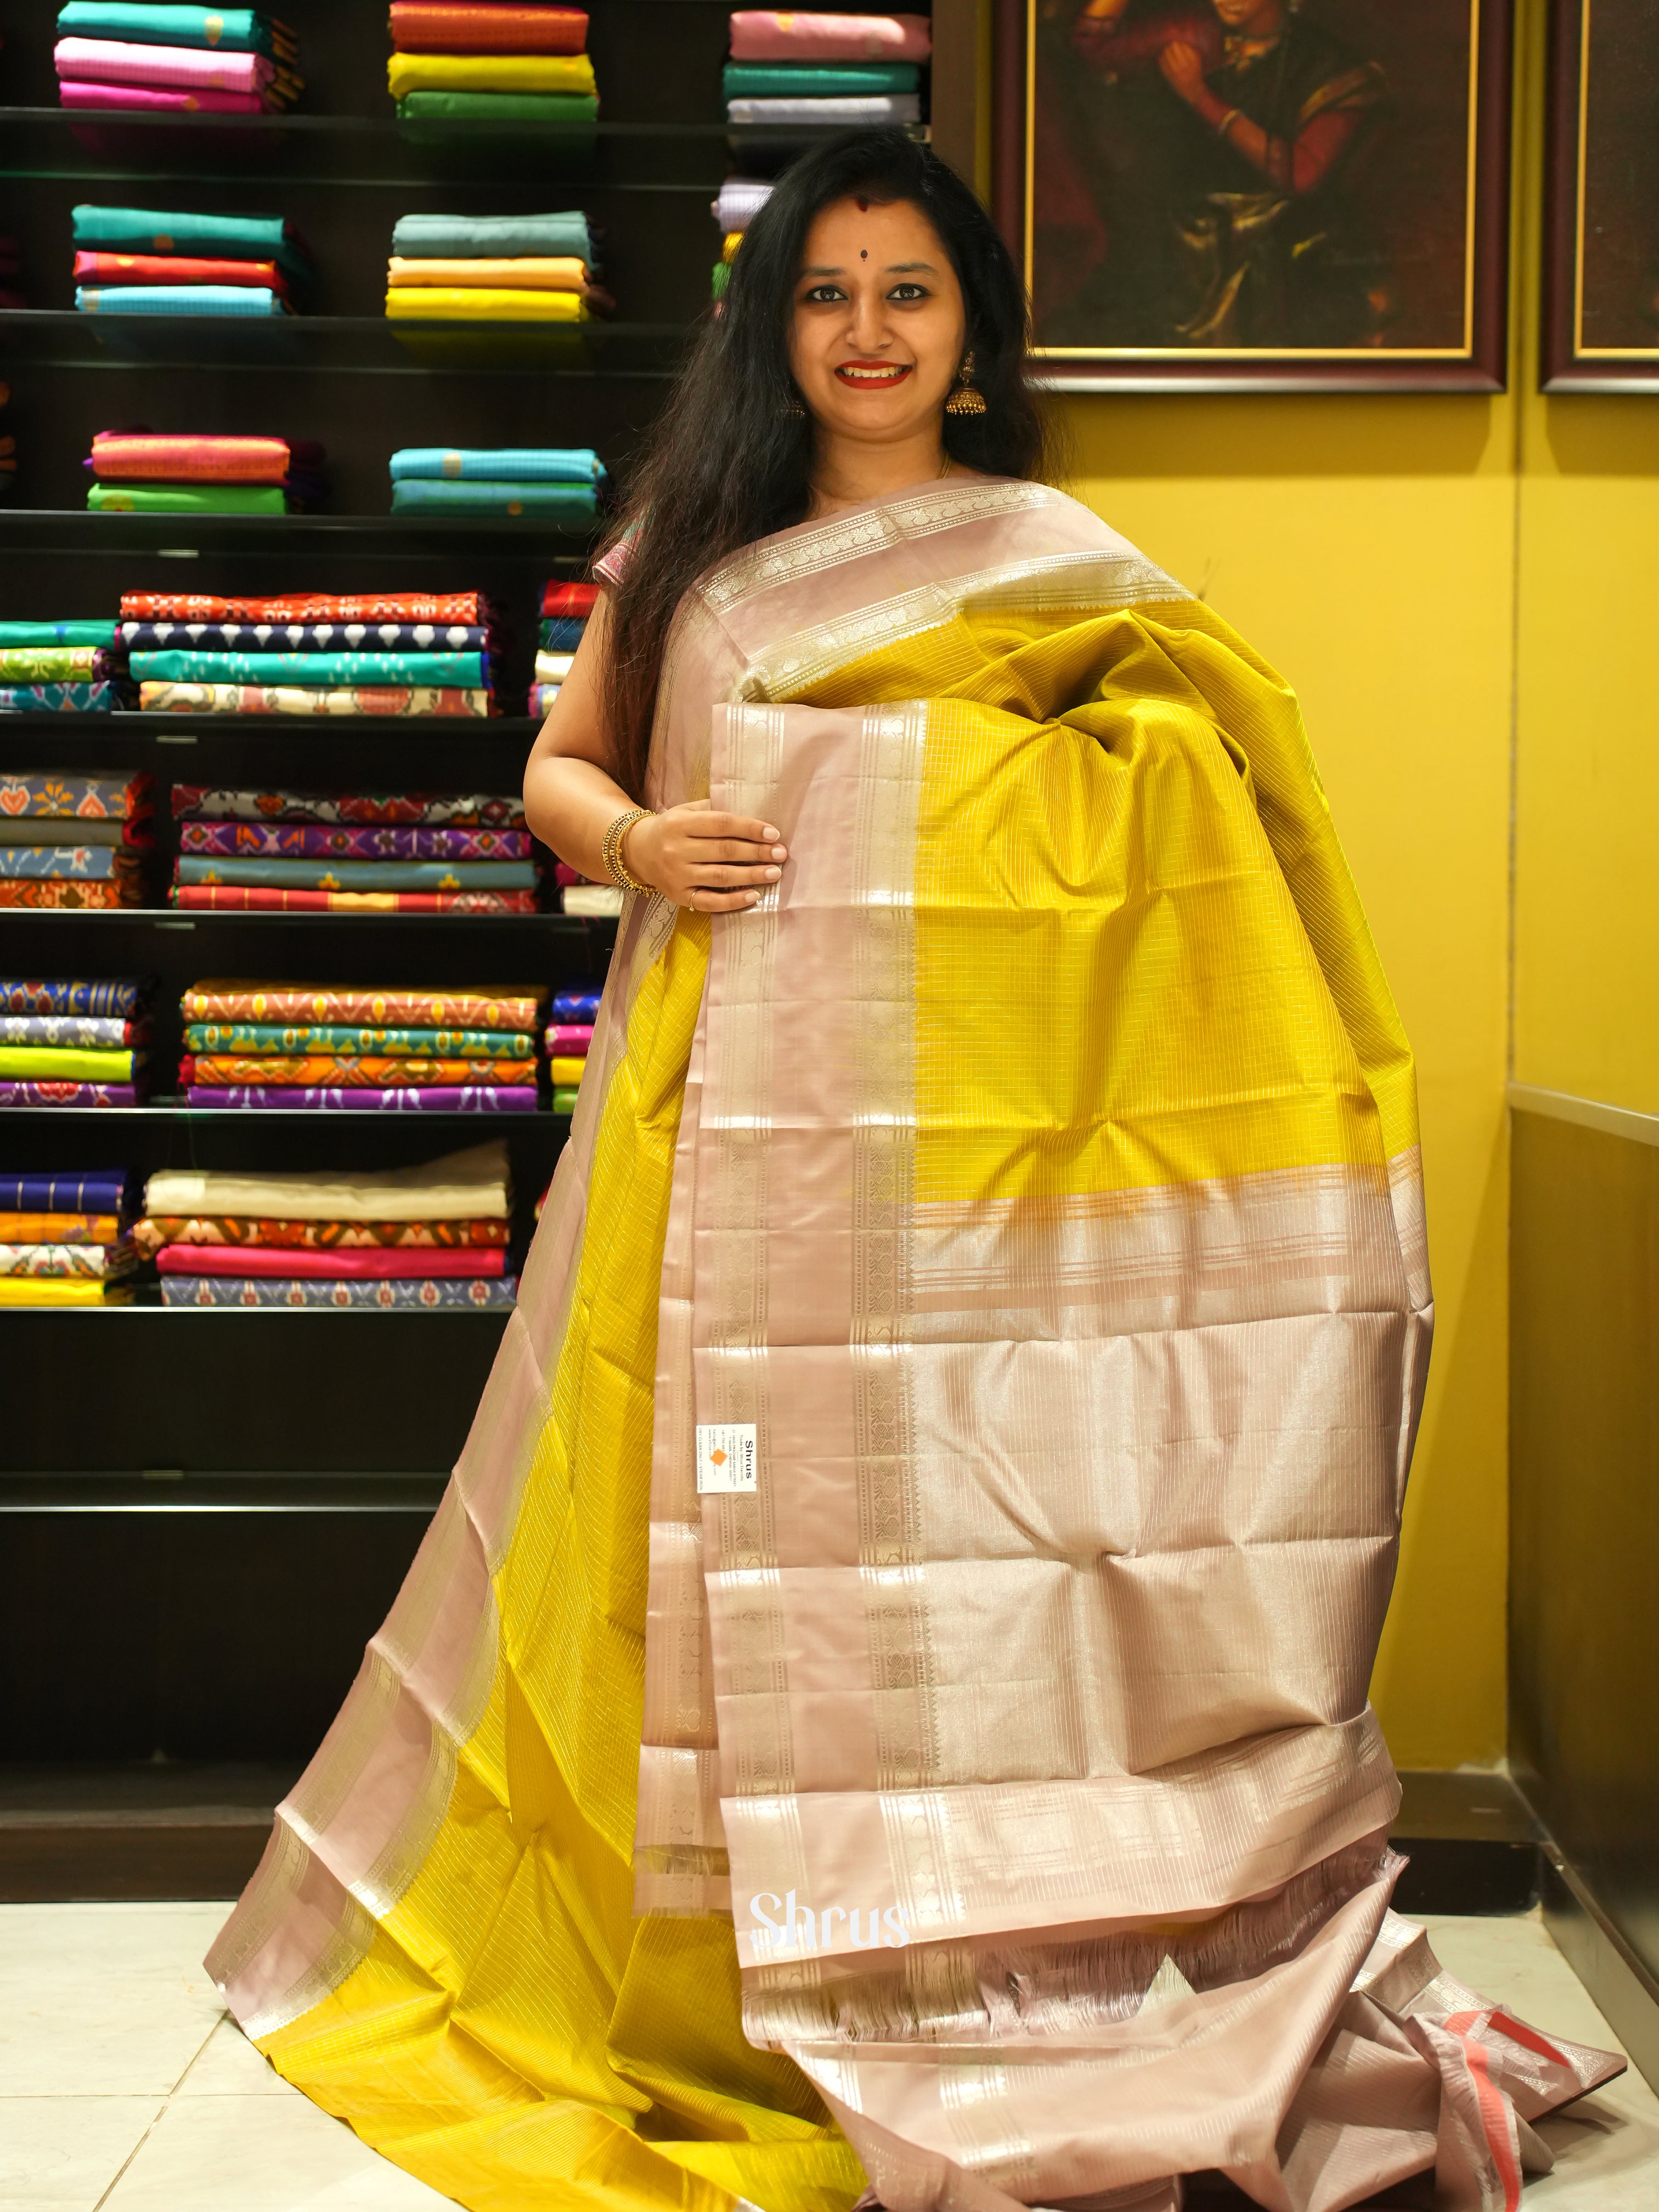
(176, 269)
(573, 600)
(240, 898)
(309, 607)
(154, 1231)
(426, 27)
(135, 457)
(385, 1265)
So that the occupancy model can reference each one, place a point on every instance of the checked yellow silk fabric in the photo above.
(1123, 847)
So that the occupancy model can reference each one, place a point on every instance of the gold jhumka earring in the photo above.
(964, 399)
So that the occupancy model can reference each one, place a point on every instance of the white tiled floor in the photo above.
(123, 2085)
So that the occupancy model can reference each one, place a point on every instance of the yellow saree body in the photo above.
(985, 1806)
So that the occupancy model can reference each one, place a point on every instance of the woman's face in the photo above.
(876, 335)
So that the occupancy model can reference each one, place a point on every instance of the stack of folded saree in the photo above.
(134, 54)
(429, 1236)
(148, 261)
(63, 1062)
(559, 484)
(352, 852)
(61, 667)
(565, 611)
(493, 268)
(313, 652)
(741, 199)
(63, 1238)
(139, 472)
(480, 61)
(787, 68)
(360, 1050)
(74, 840)
(568, 1033)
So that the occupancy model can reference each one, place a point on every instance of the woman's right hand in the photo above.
(713, 863)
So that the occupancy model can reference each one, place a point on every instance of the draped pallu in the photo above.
(986, 1805)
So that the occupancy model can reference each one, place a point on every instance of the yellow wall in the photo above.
(1587, 765)
(1370, 548)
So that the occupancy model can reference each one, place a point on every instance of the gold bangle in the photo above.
(1227, 121)
(611, 852)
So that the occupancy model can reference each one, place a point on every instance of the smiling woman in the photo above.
(871, 340)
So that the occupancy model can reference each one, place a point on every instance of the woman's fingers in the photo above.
(739, 836)
(735, 879)
(707, 902)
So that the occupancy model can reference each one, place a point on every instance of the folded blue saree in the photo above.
(498, 464)
(559, 502)
(492, 237)
(324, 671)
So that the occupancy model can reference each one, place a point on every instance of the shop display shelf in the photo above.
(80, 531)
(337, 345)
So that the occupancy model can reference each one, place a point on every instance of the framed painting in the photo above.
(1259, 194)
(1600, 325)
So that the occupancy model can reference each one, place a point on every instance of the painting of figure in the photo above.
(1602, 295)
(1244, 178)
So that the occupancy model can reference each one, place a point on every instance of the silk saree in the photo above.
(883, 1704)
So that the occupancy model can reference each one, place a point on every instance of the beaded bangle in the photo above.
(610, 851)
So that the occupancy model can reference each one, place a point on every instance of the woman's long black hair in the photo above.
(728, 461)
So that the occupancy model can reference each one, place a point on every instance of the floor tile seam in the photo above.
(115, 2179)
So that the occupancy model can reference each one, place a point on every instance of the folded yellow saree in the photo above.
(434, 303)
(60, 1291)
(523, 272)
(883, 1700)
(407, 73)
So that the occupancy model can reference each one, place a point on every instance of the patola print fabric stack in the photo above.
(65, 1238)
(76, 841)
(342, 1048)
(429, 1238)
(313, 653)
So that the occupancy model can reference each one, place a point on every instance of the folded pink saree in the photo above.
(156, 100)
(884, 1699)
(189, 68)
(381, 1265)
(769, 35)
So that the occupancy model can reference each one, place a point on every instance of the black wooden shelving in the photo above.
(204, 1514)
(231, 1496)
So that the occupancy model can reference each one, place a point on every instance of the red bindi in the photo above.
(863, 253)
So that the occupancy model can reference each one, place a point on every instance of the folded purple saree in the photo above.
(406, 1098)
